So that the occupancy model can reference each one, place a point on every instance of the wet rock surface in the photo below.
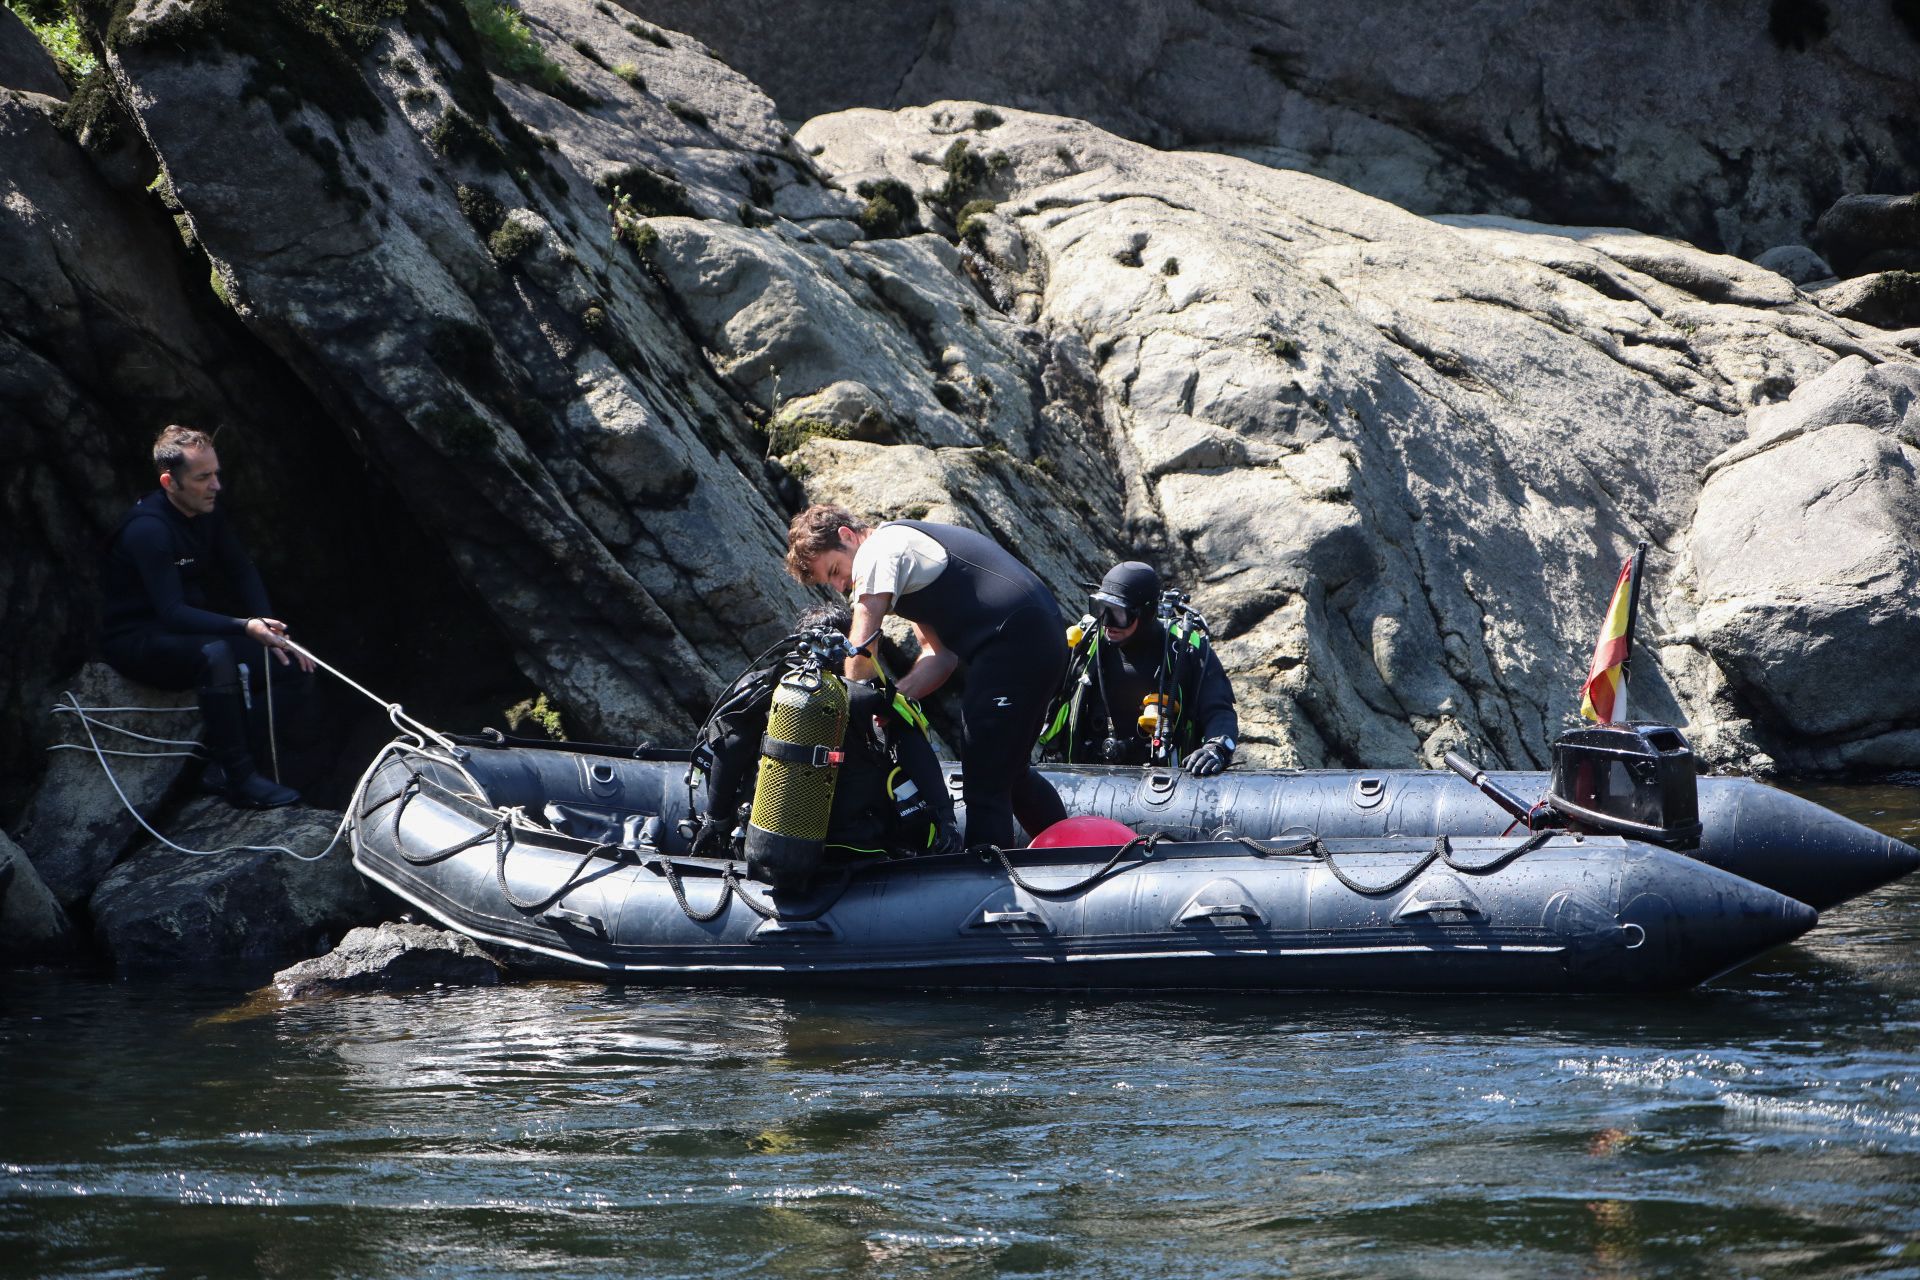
(392, 957)
(166, 909)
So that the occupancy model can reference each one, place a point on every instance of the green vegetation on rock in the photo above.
(511, 241)
(512, 51)
(645, 32)
(971, 222)
(890, 212)
(540, 714)
(57, 27)
(640, 191)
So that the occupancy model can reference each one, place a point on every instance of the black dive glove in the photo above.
(710, 841)
(1210, 757)
(946, 836)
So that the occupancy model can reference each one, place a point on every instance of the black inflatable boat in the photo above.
(577, 858)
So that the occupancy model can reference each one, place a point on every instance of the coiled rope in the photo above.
(408, 727)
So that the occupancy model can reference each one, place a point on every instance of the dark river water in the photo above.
(1765, 1125)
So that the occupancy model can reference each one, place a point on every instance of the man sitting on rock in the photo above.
(174, 564)
(1143, 685)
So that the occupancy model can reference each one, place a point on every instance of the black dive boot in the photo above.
(226, 718)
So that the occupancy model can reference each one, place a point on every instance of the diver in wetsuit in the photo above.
(174, 566)
(1136, 666)
(970, 602)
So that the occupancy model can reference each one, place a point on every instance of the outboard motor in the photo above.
(799, 765)
(1634, 780)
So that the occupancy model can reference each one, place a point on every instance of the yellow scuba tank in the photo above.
(799, 765)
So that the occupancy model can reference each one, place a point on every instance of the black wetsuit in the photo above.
(167, 577)
(1101, 723)
(1001, 621)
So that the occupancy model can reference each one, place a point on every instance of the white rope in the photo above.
(137, 755)
(395, 712)
(273, 739)
(85, 714)
(61, 708)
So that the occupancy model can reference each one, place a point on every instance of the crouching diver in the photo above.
(175, 574)
(888, 795)
(1144, 685)
(970, 602)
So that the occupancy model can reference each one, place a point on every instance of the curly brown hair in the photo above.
(814, 531)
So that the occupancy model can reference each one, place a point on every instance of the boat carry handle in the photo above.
(1415, 910)
(777, 930)
(563, 918)
(1203, 913)
(1012, 916)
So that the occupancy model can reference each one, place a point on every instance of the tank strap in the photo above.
(800, 752)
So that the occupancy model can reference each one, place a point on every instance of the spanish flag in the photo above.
(1604, 696)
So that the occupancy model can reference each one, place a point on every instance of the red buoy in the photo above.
(1081, 832)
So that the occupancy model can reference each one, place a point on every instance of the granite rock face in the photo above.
(1730, 126)
(1399, 458)
(392, 957)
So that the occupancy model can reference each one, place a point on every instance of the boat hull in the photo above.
(1366, 913)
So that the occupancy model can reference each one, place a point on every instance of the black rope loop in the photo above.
(680, 894)
(1442, 852)
(1146, 844)
(504, 841)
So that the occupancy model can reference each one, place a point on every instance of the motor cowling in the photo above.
(1635, 780)
(800, 759)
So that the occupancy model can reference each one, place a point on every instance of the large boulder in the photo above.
(392, 957)
(1730, 126)
(1806, 547)
(432, 248)
(33, 928)
(1864, 233)
(235, 897)
(1883, 299)
(90, 805)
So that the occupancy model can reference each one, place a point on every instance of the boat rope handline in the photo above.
(1145, 844)
(1442, 851)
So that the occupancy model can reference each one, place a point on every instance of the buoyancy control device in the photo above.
(1635, 780)
(800, 759)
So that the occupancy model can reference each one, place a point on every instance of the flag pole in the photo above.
(1633, 616)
